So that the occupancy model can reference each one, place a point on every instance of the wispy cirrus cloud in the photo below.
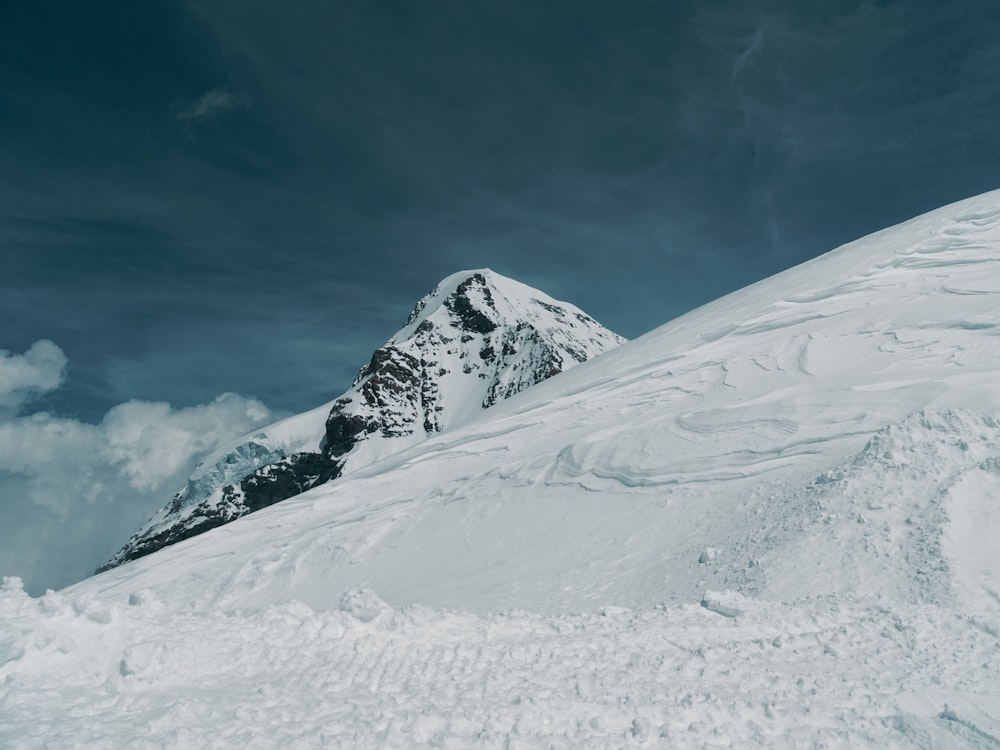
(211, 104)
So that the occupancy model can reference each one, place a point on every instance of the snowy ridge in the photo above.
(769, 523)
(475, 340)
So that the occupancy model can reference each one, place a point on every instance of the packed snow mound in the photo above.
(893, 520)
(475, 340)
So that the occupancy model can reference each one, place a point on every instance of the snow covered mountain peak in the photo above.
(475, 340)
(482, 300)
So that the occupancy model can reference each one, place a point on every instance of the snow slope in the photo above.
(708, 433)
(768, 523)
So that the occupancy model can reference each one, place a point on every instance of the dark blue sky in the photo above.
(221, 195)
(210, 196)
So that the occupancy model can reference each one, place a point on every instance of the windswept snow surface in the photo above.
(769, 523)
(834, 672)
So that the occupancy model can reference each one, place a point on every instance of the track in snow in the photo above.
(833, 672)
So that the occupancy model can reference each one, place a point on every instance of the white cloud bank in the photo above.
(72, 492)
(23, 376)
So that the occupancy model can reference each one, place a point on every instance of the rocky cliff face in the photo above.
(477, 339)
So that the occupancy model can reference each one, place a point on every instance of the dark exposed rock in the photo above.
(268, 485)
(342, 430)
(204, 522)
(287, 478)
(392, 387)
(473, 319)
(205, 519)
(389, 362)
